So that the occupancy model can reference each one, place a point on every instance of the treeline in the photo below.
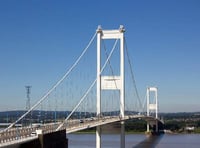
(182, 125)
(176, 122)
(135, 125)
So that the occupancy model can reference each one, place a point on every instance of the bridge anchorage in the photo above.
(52, 134)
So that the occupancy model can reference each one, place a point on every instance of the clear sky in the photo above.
(40, 39)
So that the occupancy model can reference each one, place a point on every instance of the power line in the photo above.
(28, 92)
(28, 103)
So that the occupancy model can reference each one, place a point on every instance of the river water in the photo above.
(136, 141)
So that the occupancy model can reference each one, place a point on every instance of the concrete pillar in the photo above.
(54, 140)
(156, 126)
(51, 140)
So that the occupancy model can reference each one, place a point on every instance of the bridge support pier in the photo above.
(122, 135)
(98, 137)
(53, 140)
(147, 127)
(48, 140)
(156, 126)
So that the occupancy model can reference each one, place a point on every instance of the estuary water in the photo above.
(136, 141)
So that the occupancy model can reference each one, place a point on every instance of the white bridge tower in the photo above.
(110, 82)
(152, 104)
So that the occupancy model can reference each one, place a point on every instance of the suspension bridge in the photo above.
(89, 95)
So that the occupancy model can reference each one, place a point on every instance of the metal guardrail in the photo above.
(20, 133)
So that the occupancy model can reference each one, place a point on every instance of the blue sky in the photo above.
(39, 40)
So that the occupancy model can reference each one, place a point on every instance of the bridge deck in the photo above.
(23, 134)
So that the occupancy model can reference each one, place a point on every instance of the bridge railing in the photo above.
(25, 132)
(16, 134)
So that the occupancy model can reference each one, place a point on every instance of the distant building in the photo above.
(189, 128)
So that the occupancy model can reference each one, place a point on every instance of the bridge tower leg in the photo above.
(98, 128)
(152, 106)
(110, 82)
(122, 89)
